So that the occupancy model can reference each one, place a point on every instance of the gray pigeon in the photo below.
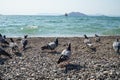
(87, 41)
(3, 40)
(116, 45)
(65, 55)
(97, 38)
(51, 45)
(14, 47)
(24, 42)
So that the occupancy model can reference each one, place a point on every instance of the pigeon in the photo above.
(3, 40)
(3, 52)
(65, 55)
(13, 46)
(51, 45)
(87, 41)
(89, 44)
(97, 38)
(24, 42)
(116, 45)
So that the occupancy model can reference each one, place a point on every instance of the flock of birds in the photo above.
(65, 54)
(12, 45)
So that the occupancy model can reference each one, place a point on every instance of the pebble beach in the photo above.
(85, 64)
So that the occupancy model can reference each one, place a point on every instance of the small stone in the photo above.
(55, 71)
(106, 72)
(68, 78)
(23, 68)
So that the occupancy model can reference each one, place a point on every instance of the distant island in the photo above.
(75, 14)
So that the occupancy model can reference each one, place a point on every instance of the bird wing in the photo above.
(115, 45)
(12, 44)
(87, 41)
(25, 42)
(66, 52)
(52, 45)
(62, 58)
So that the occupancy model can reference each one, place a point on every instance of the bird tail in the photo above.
(117, 51)
(58, 61)
(62, 58)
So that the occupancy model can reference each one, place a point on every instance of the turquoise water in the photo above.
(58, 26)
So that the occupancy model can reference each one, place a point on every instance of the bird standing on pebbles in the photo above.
(97, 38)
(24, 42)
(116, 45)
(89, 44)
(51, 45)
(65, 55)
(3, 40)
(87, 41)
(14, 47)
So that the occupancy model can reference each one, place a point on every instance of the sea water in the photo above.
(58, 26)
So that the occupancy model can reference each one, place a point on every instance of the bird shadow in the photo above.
(70, 67)
(27, 48)
(18, 54)
(54, 52)
(2, 60)
(93, 49)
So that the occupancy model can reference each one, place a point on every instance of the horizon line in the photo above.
(60, 14)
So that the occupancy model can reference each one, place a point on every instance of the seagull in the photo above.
(65, 55)
(116, 45)
(51, 45)
(3, 52)
(24, 42)
(97, 38)
(13, 46)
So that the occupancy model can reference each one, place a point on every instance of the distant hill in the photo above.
(76, 14)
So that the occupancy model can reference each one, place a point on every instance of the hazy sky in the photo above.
(106, 7)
